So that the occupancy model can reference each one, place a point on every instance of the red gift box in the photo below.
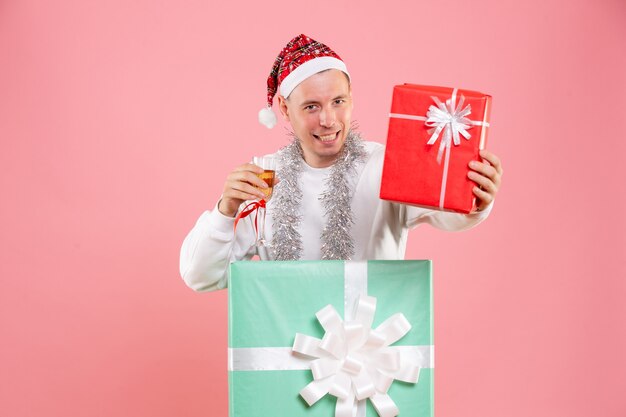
(434, 132)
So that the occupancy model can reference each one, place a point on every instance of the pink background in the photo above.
(119, 121)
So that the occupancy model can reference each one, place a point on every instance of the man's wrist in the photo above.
(222, 208)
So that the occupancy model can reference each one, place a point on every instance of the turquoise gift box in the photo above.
(271, 302)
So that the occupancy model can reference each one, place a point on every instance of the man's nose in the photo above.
(327, 117)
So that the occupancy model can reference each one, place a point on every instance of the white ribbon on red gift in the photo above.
(353, 361)
(450, 119)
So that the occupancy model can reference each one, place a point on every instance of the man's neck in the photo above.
(322, 162)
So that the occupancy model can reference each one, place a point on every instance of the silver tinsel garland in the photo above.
(337, 242)
(286, 197)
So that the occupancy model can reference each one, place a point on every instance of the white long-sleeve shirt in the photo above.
(380, 227)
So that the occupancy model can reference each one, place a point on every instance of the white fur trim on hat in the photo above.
(311, 67)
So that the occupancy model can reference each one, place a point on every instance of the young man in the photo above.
(326, 205)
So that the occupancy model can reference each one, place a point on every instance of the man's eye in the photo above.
(309, 107)
(340, 101)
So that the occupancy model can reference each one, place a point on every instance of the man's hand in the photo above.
(488, 177)
(241, 185)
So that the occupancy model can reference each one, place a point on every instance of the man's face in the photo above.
(319, 111)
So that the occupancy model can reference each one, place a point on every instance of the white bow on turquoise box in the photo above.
(330, 339)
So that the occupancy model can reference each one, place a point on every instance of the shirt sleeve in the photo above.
(211, 246)
(443, 220)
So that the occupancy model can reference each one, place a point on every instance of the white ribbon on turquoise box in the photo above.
(352, 362)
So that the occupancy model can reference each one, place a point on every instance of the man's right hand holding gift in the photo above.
(488, 177)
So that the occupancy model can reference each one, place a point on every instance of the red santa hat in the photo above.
(297, 61)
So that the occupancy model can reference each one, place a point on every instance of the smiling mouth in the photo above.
(327, 138)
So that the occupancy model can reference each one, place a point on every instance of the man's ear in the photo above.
(282, 106)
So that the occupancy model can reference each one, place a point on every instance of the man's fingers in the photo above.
(487, 175)
(482, 181)
(485, 169)
(484, 197)
(246, 188)
(247, 177)
(249, 167)
(241, 195)
(492, 159)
